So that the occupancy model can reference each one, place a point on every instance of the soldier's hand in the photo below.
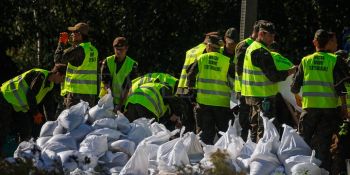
(298, 100)
(292, 70)
(38, 118)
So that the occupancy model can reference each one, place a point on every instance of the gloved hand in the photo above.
(63, 38)
(38, 118)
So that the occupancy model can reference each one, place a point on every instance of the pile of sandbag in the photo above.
(89, 141)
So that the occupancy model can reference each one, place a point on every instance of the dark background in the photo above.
(159, 31)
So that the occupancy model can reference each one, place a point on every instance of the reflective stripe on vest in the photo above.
(238, 79)
(318, 90)
(254, 81)
(191, 56)
(118, 78)
(149, 96)
(83, 79)
(162, 78)
(212, 83)
(15, 90)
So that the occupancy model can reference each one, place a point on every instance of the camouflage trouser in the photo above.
(316, 126)
(256, 122)
(244, 117)
(73, 99)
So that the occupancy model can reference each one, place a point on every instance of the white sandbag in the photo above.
(235, 147)
(95, 145)
(52, 162)
(262, 167)
(99, 112)
(306, 168)
(74, 116)
(292, 144)
(157, 127)
(59, 130)
(165, 149)
(41, 141)
(126, 146)
(284, 88)
(110, 133)
(27, 150)
(115, 159)
(138, 133)
(193, 147)
(298, 159)
(67, 141)
(106, 101)
(80, 132)
(160, 137)
(105, 123)
(103, 109)
(48, 128)
(177, 157)
(70, 160)
(123, 123)
(243, 159)
(55, 147)
(88, 162)
(78, 171)
(233, 131)
(264, 159)
(138, 163)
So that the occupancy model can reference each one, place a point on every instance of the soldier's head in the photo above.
(214, 42)
(120, 46)
(325, 40)
(58, 73)
(266, 33)
(256, 28)
(231, 39)
(80, 32)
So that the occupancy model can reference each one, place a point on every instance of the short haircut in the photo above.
(323, 37)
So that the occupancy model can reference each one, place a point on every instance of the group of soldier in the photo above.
(200, 98)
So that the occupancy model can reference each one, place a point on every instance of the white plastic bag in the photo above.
(243, 159)
(103, 109)
(138, 133)
(59, 130)
(115, 159)
(105, 123)
(138, 163)
(41, 141)
(193, 147)
(123, 123)
(67, 141)
(48, 128)
(95, 145)
(74, 116)
(292, 144)
(290, 162)
(126, 146)
(80, 132)
(111, 134)
(70, 160)
(264, 159)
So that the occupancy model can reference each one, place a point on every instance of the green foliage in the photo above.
(22, 166)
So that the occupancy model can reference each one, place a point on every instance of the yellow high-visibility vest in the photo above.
(82, 79)
(15, 90)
